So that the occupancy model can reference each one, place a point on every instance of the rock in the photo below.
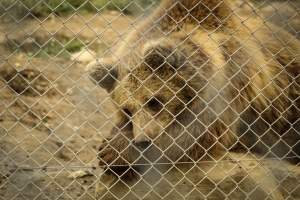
(79, 174)
(84, 56)
(29, 82)
(235, 177)
(284, 15)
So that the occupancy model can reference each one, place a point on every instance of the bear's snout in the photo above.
(142, 145)
(142, 142)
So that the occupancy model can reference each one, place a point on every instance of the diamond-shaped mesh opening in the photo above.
(149, 99)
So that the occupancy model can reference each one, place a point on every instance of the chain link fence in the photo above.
(142, 99)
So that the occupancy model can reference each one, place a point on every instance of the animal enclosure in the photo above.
(149, 99)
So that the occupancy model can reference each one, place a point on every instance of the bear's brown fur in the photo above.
(197, 81)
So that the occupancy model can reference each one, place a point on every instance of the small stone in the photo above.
(84, 56)
(79, 174)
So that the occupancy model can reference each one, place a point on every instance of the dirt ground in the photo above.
(54, 124)
(52, 119)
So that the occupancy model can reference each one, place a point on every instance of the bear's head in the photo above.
(160, 88)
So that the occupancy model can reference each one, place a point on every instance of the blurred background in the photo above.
(44, 8)
(17, 12)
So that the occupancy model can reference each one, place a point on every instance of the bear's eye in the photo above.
(127, 112)
(154, 104)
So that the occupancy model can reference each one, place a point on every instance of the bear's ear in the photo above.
(103, 74)
(157, 55)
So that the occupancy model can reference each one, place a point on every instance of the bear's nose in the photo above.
(142, 142)
(142, 145)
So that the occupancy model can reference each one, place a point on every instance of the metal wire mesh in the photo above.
(149, 100)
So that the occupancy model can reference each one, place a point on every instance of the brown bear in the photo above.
(194, 81)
